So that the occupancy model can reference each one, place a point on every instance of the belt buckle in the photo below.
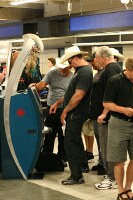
(130, 120)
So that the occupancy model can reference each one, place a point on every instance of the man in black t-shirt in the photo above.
(104, 56)
(118, 99)
(76, 108)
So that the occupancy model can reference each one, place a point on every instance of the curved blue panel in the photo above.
(25, 126)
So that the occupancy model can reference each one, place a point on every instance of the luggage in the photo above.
(49, 162)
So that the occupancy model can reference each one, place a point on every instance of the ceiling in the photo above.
(50, 8)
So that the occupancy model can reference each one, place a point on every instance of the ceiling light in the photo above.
(125, 1)
(15, 3)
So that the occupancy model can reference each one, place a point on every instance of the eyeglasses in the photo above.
(70, 60)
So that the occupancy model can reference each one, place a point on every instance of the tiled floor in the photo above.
(50, 187)
(85, 191)
(24, 190)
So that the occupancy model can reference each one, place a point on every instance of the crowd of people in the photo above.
(100, 106)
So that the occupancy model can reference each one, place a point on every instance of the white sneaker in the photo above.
(106, 184)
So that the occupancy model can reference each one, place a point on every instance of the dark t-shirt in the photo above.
(119, 90)
(26, 80)
(98, 93)
(82, 79)
(94, 111)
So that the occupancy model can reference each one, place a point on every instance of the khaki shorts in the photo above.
(87, 128)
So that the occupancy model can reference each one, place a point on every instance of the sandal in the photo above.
(127, 191)
(120, 197)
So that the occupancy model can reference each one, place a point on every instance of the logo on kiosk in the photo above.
(20, 112)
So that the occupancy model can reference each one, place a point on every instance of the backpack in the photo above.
(49, 162)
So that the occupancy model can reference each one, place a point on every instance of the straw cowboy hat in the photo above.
(70, 52)
(116, 53)
(60, 65)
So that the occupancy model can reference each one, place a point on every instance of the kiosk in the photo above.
(20, 120)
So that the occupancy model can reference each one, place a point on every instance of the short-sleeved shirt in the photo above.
(82, 79)
(119, 90)
(57, 85)
(110, 70)
(94, 110)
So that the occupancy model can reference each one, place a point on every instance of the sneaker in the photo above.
(96, 167)
(106, 184)
(71, 181)
(90, 156)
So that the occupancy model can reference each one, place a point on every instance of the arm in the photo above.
(120, 109)
(39, 86)
(2, 76)
(74, 101)
(54, 107)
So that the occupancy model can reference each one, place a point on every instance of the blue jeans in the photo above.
(74, 147)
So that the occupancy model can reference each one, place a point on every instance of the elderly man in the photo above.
(118, 99)
(104, 56)
(76, 108)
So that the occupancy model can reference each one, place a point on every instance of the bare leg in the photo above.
(89, 140)
(119, 176)
(129, 178)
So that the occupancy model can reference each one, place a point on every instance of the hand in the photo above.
(4, 71)
(32, 85)
(63, 117)
(128, 112)
(101, 118)
(53, 108)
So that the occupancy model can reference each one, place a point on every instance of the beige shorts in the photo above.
(87, 128)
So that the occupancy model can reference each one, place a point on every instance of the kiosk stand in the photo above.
(21, 120)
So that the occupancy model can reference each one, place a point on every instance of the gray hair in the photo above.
(129, 64)
(104, 51)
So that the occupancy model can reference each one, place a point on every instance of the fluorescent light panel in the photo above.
(15, 3)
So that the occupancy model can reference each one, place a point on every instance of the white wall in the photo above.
(127, 52)
(44, 59)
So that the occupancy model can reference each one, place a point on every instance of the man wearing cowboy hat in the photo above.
(117, 55)
(76, 107)
(58, 80)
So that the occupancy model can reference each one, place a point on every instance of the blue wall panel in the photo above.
(11, 31)
(102, 21)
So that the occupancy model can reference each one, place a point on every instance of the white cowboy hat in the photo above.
(60, 65)
(116, 53)
(70, 52)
